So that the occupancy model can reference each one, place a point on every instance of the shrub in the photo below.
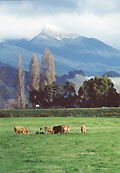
(111, 114)
(69, 115)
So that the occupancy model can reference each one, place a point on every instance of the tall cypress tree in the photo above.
(19, 85)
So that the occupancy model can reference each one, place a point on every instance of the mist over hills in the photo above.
(70, 51)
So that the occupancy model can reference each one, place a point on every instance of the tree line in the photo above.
(45, 92)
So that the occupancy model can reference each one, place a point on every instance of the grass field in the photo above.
(96, 151)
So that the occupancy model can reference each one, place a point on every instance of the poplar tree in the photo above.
(34, 74)
(34, 78)
(19, 85)
(48, 69)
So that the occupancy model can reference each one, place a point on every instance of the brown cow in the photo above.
(66, 129)
(48, 129)
(83, 129)
(21, 130)
(61, 129)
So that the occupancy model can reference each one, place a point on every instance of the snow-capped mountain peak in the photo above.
(55, 32)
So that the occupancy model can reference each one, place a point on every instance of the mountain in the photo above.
(112, 74)
(9, 51)
(70, 51)
(7, 81)
(50, 31)
(7, 75)
(62, 79)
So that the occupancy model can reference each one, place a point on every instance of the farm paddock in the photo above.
(96, 151)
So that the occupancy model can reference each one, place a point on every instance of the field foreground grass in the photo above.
(96, 151)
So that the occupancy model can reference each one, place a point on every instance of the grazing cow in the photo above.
(66, 129)
(21, 130)
(48, 129)
(83, 129)
(61, 129)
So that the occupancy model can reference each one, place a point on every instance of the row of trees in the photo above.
(40, 76)
(96, 92)
(44, 90)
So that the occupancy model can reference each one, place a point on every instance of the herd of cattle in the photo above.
(54, 130)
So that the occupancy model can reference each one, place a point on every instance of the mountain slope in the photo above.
(7, 81)
(9, 54)
(62, 79)
(70, 51)
(112, 74)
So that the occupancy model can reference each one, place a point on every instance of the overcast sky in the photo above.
(90, 18)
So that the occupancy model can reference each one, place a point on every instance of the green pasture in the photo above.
(97, 151)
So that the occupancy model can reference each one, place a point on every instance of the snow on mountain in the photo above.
(55, 32)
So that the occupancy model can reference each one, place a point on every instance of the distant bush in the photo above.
(68, 115)
(111, 114)
(67, 112)
(5, 115)
(44, 115)
(21, 115)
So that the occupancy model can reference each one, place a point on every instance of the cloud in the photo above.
(13, 27)
(105, 28)
(36, 7)
(90, 18)
(102, 7)
(51, 7)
